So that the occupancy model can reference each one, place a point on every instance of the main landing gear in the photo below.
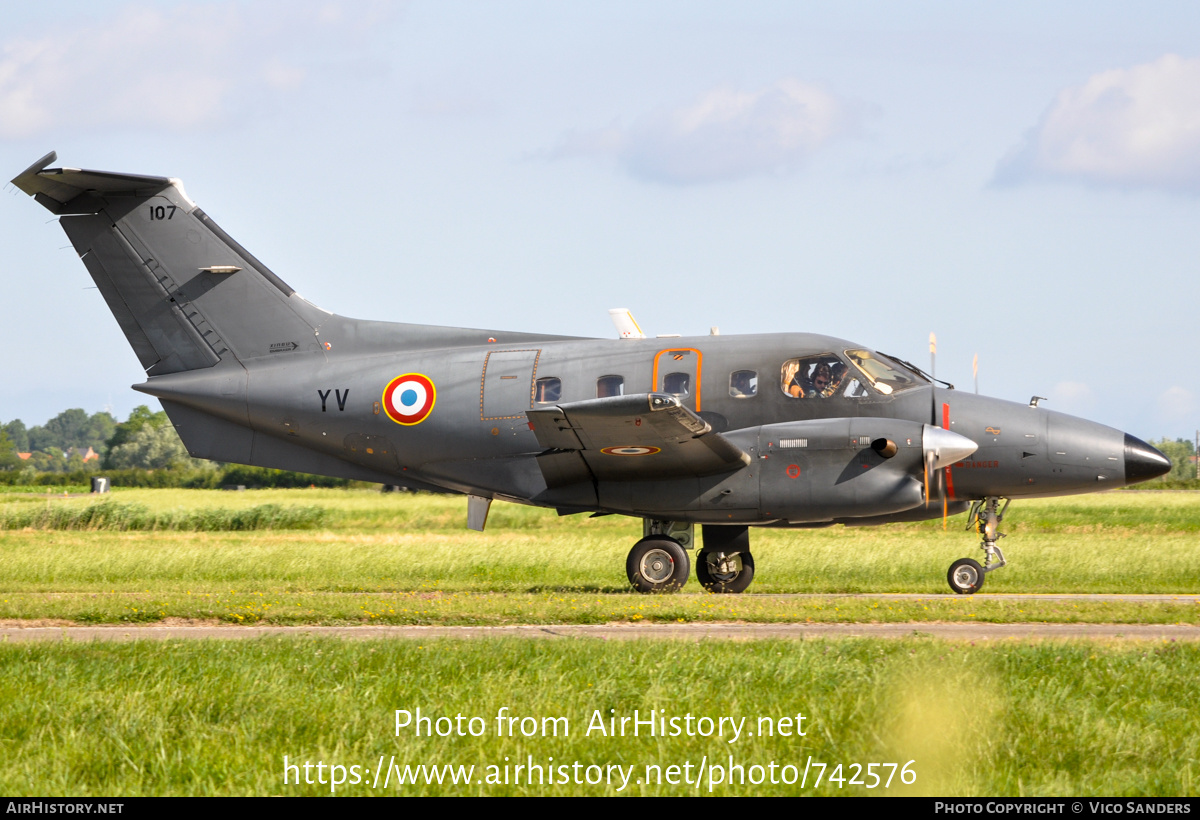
(966, 575)
(725, 572)
(660, 563)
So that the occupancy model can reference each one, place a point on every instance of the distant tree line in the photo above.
(60, 444)
(142, 451)
(1182, 454)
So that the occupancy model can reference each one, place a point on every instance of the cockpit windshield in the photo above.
(826, 376)
(882, 373)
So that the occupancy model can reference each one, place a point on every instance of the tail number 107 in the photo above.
(162, 212)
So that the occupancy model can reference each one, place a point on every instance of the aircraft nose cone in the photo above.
(1143, 462)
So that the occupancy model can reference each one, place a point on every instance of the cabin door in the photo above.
(506, 389)
(677, 371)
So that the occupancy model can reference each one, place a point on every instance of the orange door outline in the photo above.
(699, 369)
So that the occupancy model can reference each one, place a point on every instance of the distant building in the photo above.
(24, 456)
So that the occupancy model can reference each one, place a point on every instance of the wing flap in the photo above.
(624, 438)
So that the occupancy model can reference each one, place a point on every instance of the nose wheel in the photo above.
(966, 575)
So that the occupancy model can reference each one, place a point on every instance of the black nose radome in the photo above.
(1143, 462)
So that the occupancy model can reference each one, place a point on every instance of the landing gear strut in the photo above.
(966, 575)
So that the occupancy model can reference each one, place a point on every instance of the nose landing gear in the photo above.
(966, 575)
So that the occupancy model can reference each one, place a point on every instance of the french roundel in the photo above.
(408, 399)
(630, 451)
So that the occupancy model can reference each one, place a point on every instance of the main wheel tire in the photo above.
(657, 564)
(965, 576)
(725, 582)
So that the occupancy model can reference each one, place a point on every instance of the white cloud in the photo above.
(1138, 126)
(725, 134)
(1073, 398)
(279, 74)
(1176, 404)
(165, 68)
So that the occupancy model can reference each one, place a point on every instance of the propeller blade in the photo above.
(929, 458)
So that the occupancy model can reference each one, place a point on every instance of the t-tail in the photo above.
(186, 295)
(207, 319)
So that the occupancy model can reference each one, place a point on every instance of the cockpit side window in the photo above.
(882, 373)
(743, 384)
(819, 377)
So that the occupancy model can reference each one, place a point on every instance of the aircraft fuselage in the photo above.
(477, 438)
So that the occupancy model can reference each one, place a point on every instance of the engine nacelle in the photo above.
(812, 471)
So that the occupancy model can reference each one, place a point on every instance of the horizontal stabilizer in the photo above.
(76, 191)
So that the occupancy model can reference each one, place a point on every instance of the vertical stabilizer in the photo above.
(186, 295)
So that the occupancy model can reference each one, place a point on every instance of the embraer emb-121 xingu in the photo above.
(729, 432)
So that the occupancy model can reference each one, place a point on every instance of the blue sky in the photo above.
(1021, 180)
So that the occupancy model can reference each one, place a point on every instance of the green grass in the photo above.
(43, 491)
(238, 557)
(433, 608)
(123, 516)
(218, 717)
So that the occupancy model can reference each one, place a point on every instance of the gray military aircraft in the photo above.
(729, 432)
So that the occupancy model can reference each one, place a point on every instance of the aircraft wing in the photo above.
(625, 438)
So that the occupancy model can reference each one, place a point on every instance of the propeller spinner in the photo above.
(942, 448)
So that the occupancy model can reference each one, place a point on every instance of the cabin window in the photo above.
(819, 377)
(547, 390)
(607, 386)
(677, 383)
(743, 384)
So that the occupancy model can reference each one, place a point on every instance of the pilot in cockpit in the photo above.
(795, 379)
(822, 377)
(837, 375)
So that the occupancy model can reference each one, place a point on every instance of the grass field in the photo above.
(338, 556)
(218, 717)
